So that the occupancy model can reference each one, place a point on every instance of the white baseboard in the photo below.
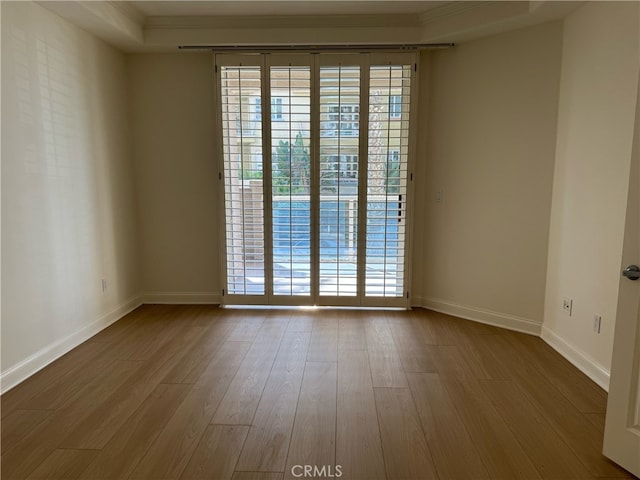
(578, 358)
(582, 361)
(15, 374)
(417, 301)
(183, 297)
(497, 319)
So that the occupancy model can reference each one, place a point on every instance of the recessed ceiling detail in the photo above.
(289, 8)
(140, 26)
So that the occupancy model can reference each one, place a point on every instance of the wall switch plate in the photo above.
(438, 196)
(597, 321)
(567, 305)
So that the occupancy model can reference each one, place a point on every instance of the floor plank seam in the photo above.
(424, 434)
(375, 405)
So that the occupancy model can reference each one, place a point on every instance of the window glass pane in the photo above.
(291, 179)
(387, 180)
(339, 143)
(244, 205)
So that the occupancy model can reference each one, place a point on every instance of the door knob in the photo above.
(632, 272)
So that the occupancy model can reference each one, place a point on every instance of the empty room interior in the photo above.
(268, 240)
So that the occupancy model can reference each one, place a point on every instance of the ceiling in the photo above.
(143, 26)
(291, 7)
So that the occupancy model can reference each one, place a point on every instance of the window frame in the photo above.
(369, 59)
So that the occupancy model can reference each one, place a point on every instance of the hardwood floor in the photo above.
(199, 392)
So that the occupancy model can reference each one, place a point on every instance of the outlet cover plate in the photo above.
(597, 322)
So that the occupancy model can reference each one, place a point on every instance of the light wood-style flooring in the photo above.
(199, 392)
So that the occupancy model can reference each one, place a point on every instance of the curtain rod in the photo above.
(318, 48)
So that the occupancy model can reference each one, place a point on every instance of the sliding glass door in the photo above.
(315, 158)
(339, 168)
(290, 179)
(387, 170)
(241, 128)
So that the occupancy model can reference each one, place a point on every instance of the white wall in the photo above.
(174, 147)
(171, 97)
(595, 130)
(488, 145)
(68, 214)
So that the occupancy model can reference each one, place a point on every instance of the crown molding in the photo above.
(129, 10)
(281, 21)
(448, 10)
(486, 18)
(112, 21)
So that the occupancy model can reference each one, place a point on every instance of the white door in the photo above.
(622, 430)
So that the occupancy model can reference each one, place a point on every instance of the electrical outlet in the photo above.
(567, 305)
(597, 321)
(104, 285)
(438, 196)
